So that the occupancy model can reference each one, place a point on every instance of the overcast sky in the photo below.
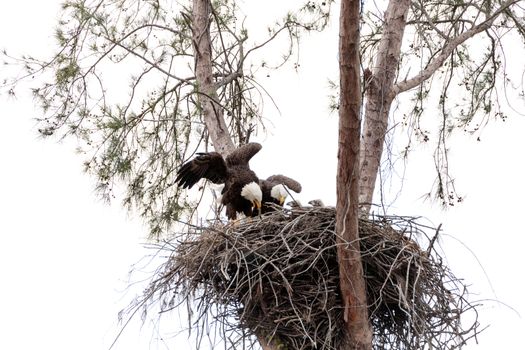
(65, 256)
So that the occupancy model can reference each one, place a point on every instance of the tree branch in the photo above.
(447, 51)
(228, 79)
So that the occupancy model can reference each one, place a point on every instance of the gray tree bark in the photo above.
(212, 111)
(352, 283)
(381, 90)
(379, 94)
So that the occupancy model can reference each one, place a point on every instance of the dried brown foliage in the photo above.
(277, 276)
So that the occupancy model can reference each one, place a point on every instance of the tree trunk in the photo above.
(379, 96)
(212, 111)
(353, 291)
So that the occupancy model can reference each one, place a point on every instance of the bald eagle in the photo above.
(241, 192)
(275, 191)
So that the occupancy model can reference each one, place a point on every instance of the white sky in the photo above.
(65, 256)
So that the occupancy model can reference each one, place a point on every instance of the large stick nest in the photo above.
(277, 277)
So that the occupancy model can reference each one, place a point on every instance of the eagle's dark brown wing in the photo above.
(285, 180)
(210, 166)
(242, 155)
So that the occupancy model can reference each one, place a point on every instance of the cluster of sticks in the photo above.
(277, 278)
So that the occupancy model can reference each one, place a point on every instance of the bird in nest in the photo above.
(241, 192)
(275, 191)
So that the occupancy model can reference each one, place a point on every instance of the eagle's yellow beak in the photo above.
(281, 200)
(257, 204)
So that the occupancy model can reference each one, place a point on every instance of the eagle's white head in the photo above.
(253, 193)
(279, 193)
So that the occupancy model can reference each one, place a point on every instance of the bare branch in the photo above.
(447, 50)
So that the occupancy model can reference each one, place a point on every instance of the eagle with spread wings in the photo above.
(241, 192)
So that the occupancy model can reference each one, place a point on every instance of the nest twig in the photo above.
(277, 277)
